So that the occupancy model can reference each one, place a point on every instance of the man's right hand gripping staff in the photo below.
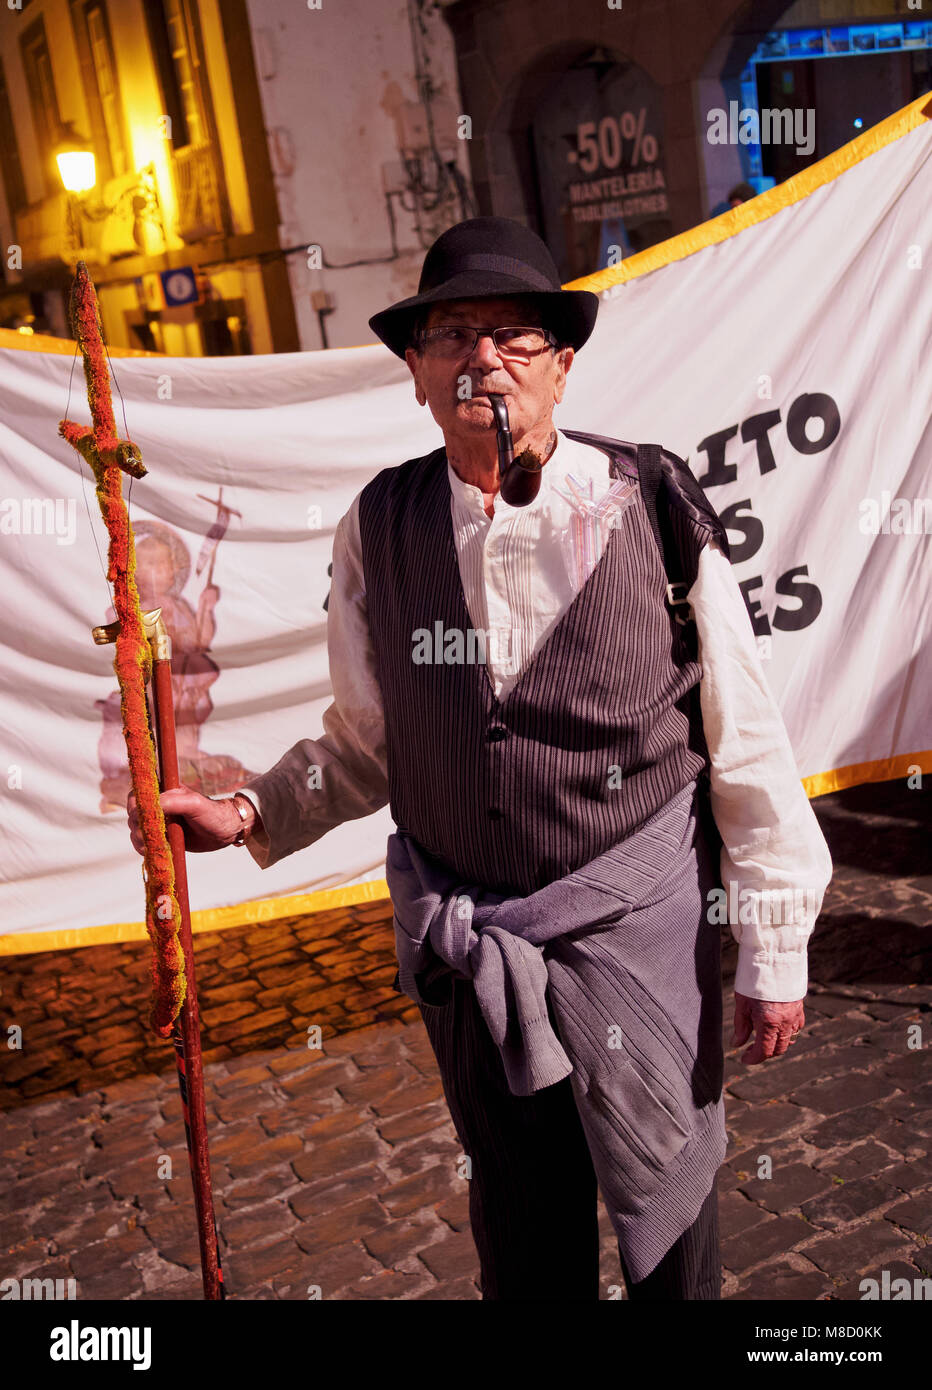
(208, 824)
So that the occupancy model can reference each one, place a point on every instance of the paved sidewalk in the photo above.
(339, 1168)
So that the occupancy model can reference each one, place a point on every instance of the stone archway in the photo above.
(576, 149)
(680, 61)
(509, 58)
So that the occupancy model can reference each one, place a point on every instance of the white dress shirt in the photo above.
(520, 569)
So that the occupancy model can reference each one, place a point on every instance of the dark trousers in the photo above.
(532, 1188)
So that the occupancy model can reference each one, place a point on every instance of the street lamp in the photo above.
(76, 165)
(78, 170)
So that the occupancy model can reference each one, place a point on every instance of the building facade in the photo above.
(370, 156)
(269, 173)
(178, 223)
(266, 174)
(600, 123)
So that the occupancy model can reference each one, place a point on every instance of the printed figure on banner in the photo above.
(163, 567)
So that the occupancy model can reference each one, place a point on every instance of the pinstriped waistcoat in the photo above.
(600, 730)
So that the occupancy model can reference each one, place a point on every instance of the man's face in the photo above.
(456, 390)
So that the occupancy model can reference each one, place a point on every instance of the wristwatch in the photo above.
(243, 815)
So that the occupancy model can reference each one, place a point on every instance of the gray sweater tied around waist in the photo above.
(623, 949)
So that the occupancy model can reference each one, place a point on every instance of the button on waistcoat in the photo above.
(600, 730)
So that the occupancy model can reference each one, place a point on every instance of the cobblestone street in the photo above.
(338, 1167)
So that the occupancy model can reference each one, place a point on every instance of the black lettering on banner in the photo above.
(751, 526)
(810, 601)
(719, 472)
(739, 517)
(759, 620)
(811, 407)
(758, 427)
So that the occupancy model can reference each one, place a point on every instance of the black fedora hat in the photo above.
(490, 257)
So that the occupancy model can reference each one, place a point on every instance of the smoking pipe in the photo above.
(520, 477)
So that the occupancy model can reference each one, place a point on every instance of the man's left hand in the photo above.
(774, 1026)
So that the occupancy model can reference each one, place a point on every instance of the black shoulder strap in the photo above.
(649, 482)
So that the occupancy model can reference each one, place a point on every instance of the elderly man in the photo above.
(569, 802)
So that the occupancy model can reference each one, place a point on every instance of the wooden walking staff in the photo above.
(173, 1011)
(186, 1034)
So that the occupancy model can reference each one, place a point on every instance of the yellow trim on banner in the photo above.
(45, 342)
(207, 920)
(376, 890)
(758, 209)
(881, 770)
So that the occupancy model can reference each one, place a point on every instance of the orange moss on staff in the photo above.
(109, 457)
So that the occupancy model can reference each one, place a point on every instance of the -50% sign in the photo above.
(603, 143)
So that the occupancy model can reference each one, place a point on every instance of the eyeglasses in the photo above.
(456, 340)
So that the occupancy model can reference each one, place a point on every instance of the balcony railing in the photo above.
(201, 207)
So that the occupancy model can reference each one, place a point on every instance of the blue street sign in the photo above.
(179, 285)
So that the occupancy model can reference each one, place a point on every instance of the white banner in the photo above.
(782, 349)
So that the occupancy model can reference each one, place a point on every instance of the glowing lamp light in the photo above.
(77, 169)
(858, 122)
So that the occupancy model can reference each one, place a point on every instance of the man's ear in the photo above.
(564, 362)
(413, 361)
